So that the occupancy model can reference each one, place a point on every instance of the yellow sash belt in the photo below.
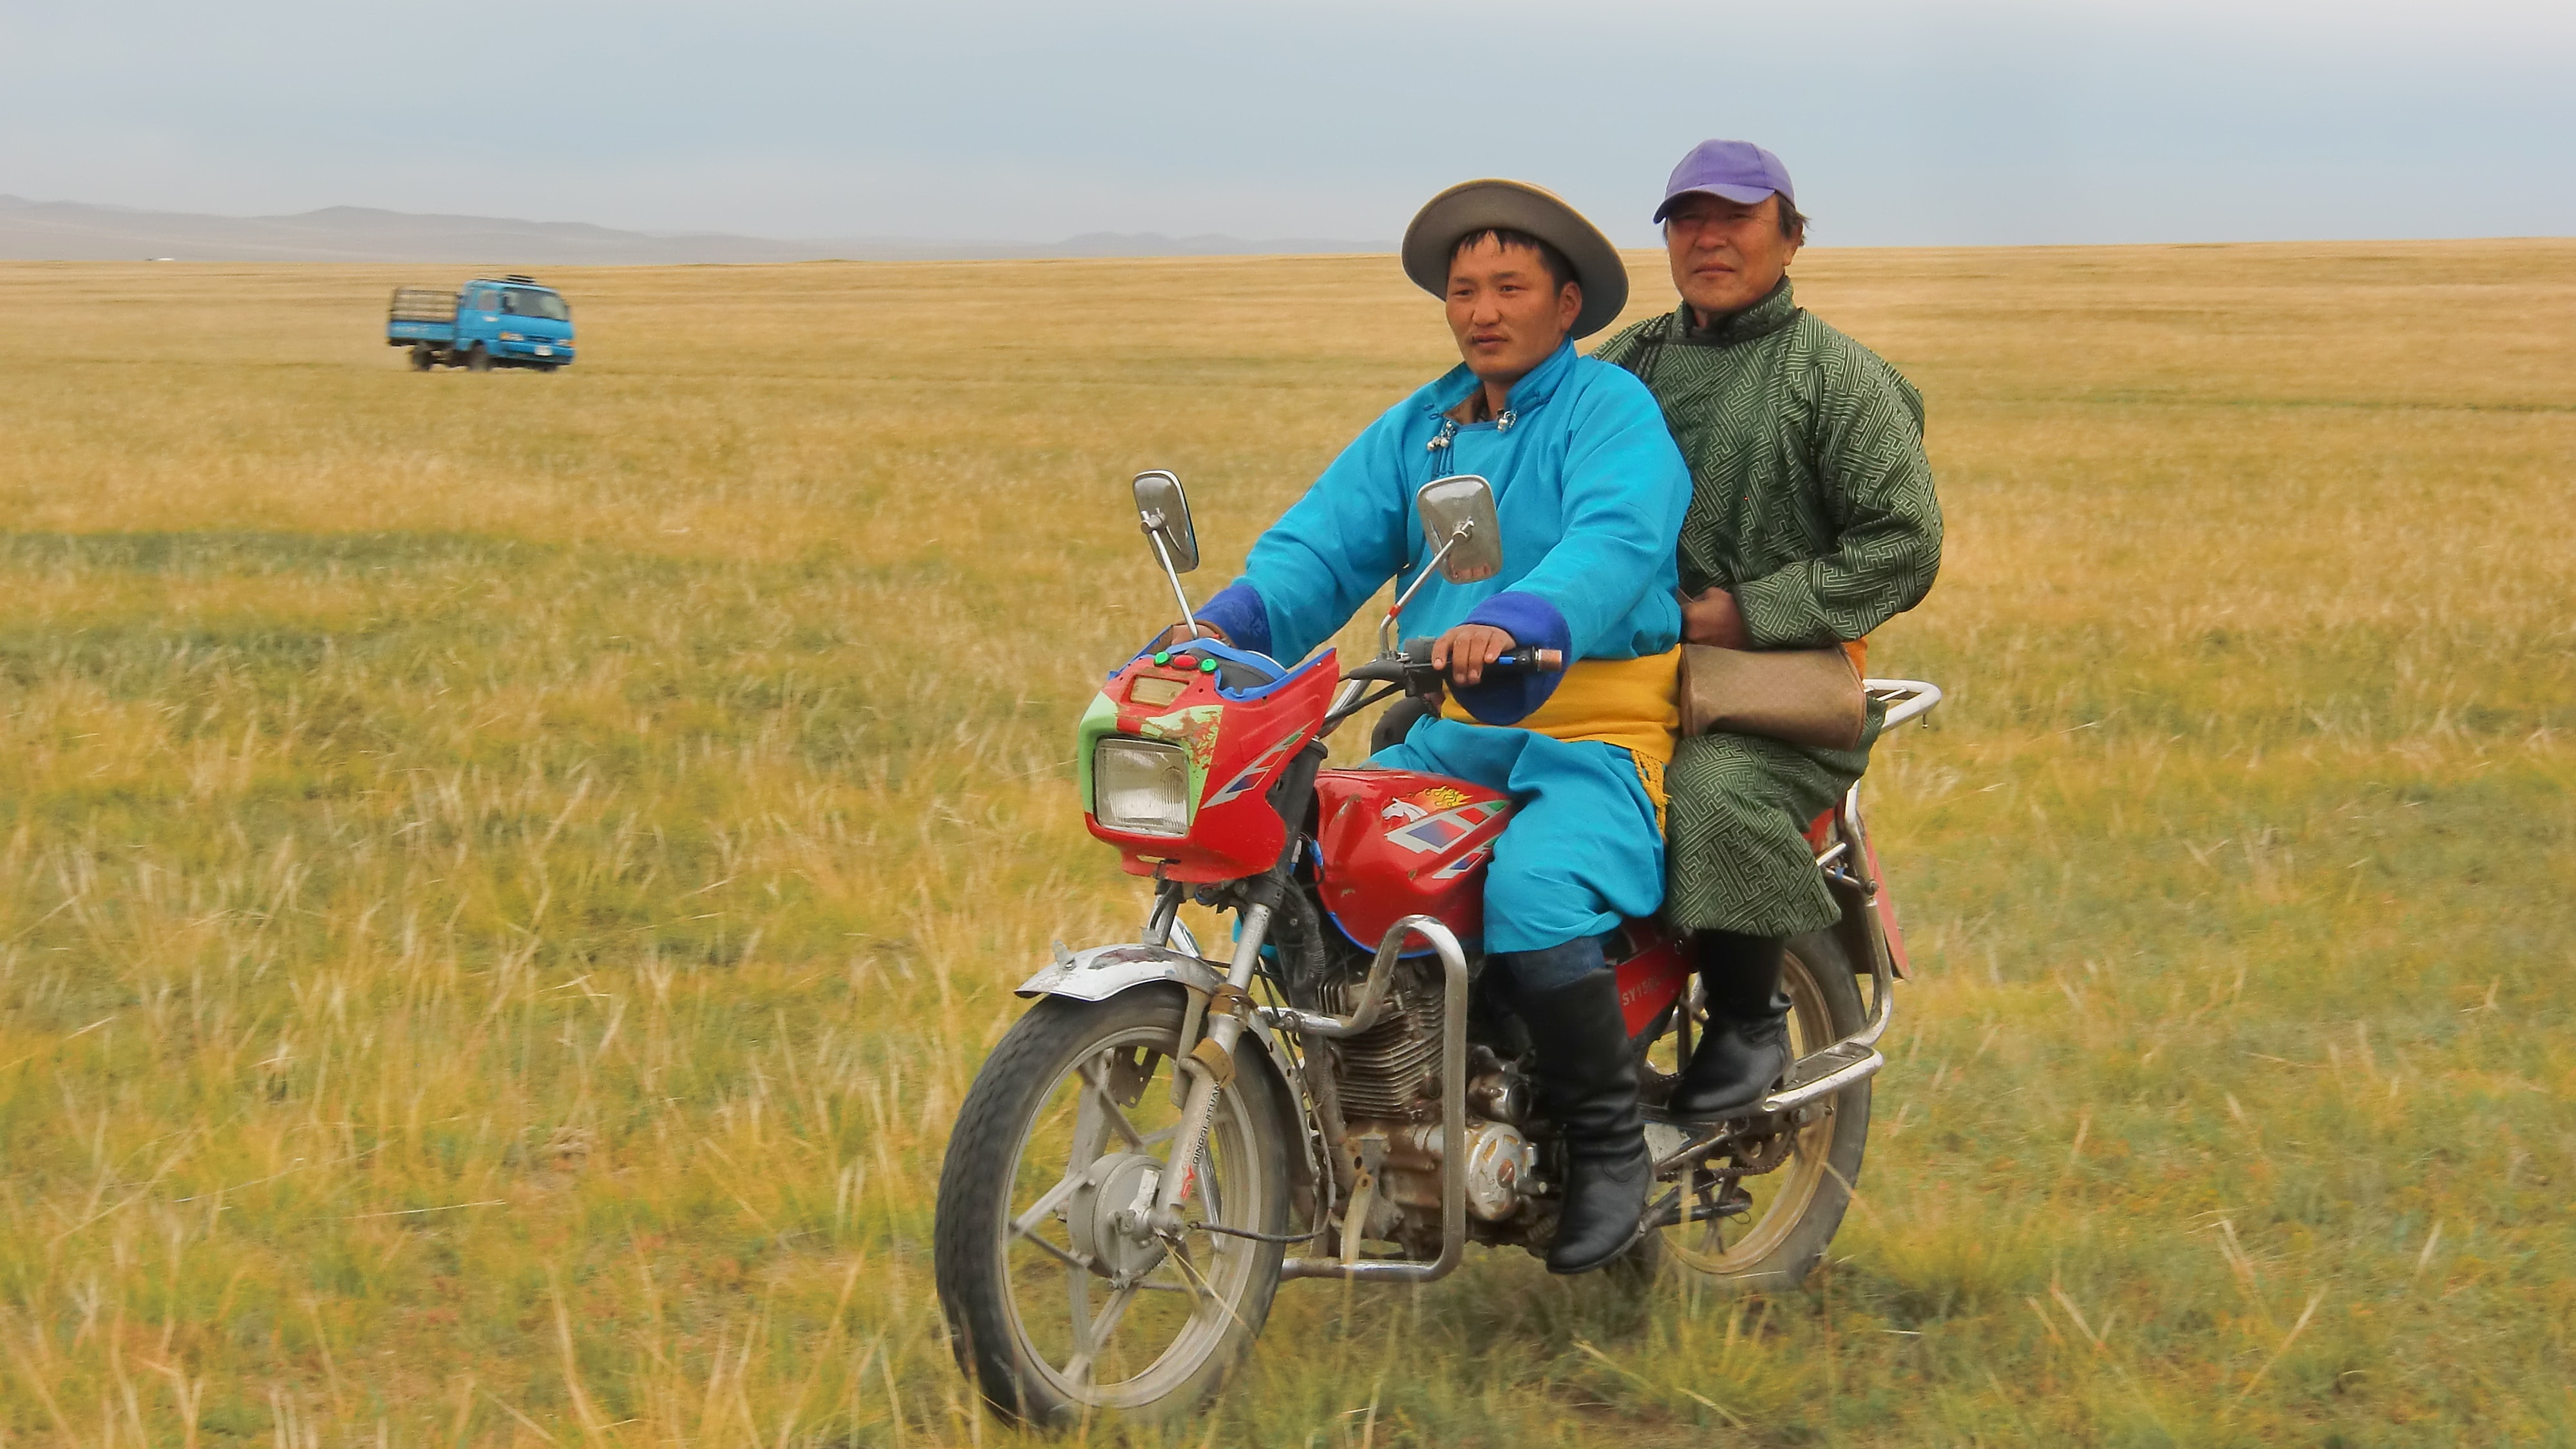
(1632, 703)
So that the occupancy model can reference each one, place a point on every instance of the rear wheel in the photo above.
(422, 359)
(1060, 1311)
(1751, 1230)
(477, 360)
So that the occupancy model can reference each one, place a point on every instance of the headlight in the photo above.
(512, 337)
(1141, 787)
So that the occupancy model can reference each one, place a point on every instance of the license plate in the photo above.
(545, 352)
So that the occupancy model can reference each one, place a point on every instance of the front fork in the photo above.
(1208, 1061)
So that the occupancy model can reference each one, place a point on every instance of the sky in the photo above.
(1903, 122)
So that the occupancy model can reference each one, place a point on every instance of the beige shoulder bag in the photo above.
(1802, 696)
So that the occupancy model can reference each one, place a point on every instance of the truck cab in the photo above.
(491, 322)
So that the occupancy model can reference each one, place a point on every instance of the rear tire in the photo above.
(1799, 1205)
(1025, 1311)
(477, 360)
(422, 360)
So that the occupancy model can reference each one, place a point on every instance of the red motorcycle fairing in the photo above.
(1395, 843)
(1236, 741)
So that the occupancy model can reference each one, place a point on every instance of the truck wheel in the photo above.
(422, 360)
(477, 360)
(548, 366)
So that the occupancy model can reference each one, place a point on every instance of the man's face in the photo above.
(1726, 255)
(1506, 312)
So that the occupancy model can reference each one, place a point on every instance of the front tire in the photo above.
(1796, 1208)
(477, 360)
(1065, 1120)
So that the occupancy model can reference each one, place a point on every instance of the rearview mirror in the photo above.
(1458, 527)
(1165, 512)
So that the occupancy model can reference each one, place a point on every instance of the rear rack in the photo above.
(1905, 698)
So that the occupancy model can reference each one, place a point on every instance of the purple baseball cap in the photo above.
(1737, 170)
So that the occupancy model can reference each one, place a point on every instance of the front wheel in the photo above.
(1059, 1310)
(1749, 1229)
(477, 359)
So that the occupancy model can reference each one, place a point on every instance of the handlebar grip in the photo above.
(1415, 663)
(1526, 661)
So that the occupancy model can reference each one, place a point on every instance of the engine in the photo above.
(1391, 1070)
(1388, 1081)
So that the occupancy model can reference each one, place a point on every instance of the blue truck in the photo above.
(494, 322)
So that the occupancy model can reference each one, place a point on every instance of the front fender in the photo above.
(1103, 971)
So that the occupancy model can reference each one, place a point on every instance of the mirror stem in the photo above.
(1164, 556)
(1428, 566)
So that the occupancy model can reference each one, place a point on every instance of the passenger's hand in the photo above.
(1463, 652)
(1179, 634)
(1713, 618)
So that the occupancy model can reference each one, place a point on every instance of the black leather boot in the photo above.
(1745, 1048)
(1585, 1081)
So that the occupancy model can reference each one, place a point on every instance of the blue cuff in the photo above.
(1240, 613)
(1533, 623)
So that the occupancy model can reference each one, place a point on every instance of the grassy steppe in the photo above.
(504, 879)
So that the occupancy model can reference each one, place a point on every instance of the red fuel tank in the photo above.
(1397, 843)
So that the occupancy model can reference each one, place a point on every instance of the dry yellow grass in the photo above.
(507, 877)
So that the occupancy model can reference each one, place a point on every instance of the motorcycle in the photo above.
(1144, 1147)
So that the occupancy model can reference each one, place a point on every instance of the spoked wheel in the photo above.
(1760, 1213)
(1063, 1304)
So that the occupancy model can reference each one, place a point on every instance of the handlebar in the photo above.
(1413, 667)
(1411, 671)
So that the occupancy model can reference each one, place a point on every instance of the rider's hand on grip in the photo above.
(1422, 658)
(1464, 653)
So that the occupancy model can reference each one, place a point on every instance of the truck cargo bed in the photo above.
(422, 304)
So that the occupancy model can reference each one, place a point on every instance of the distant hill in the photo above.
(77, 231)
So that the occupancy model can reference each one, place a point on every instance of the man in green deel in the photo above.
(1811, 523)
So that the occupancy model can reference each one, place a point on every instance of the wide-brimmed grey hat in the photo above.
(1474, 206)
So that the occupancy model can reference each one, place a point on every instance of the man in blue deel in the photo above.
(1590, 492)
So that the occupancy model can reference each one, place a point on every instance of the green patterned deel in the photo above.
(1811, 502)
